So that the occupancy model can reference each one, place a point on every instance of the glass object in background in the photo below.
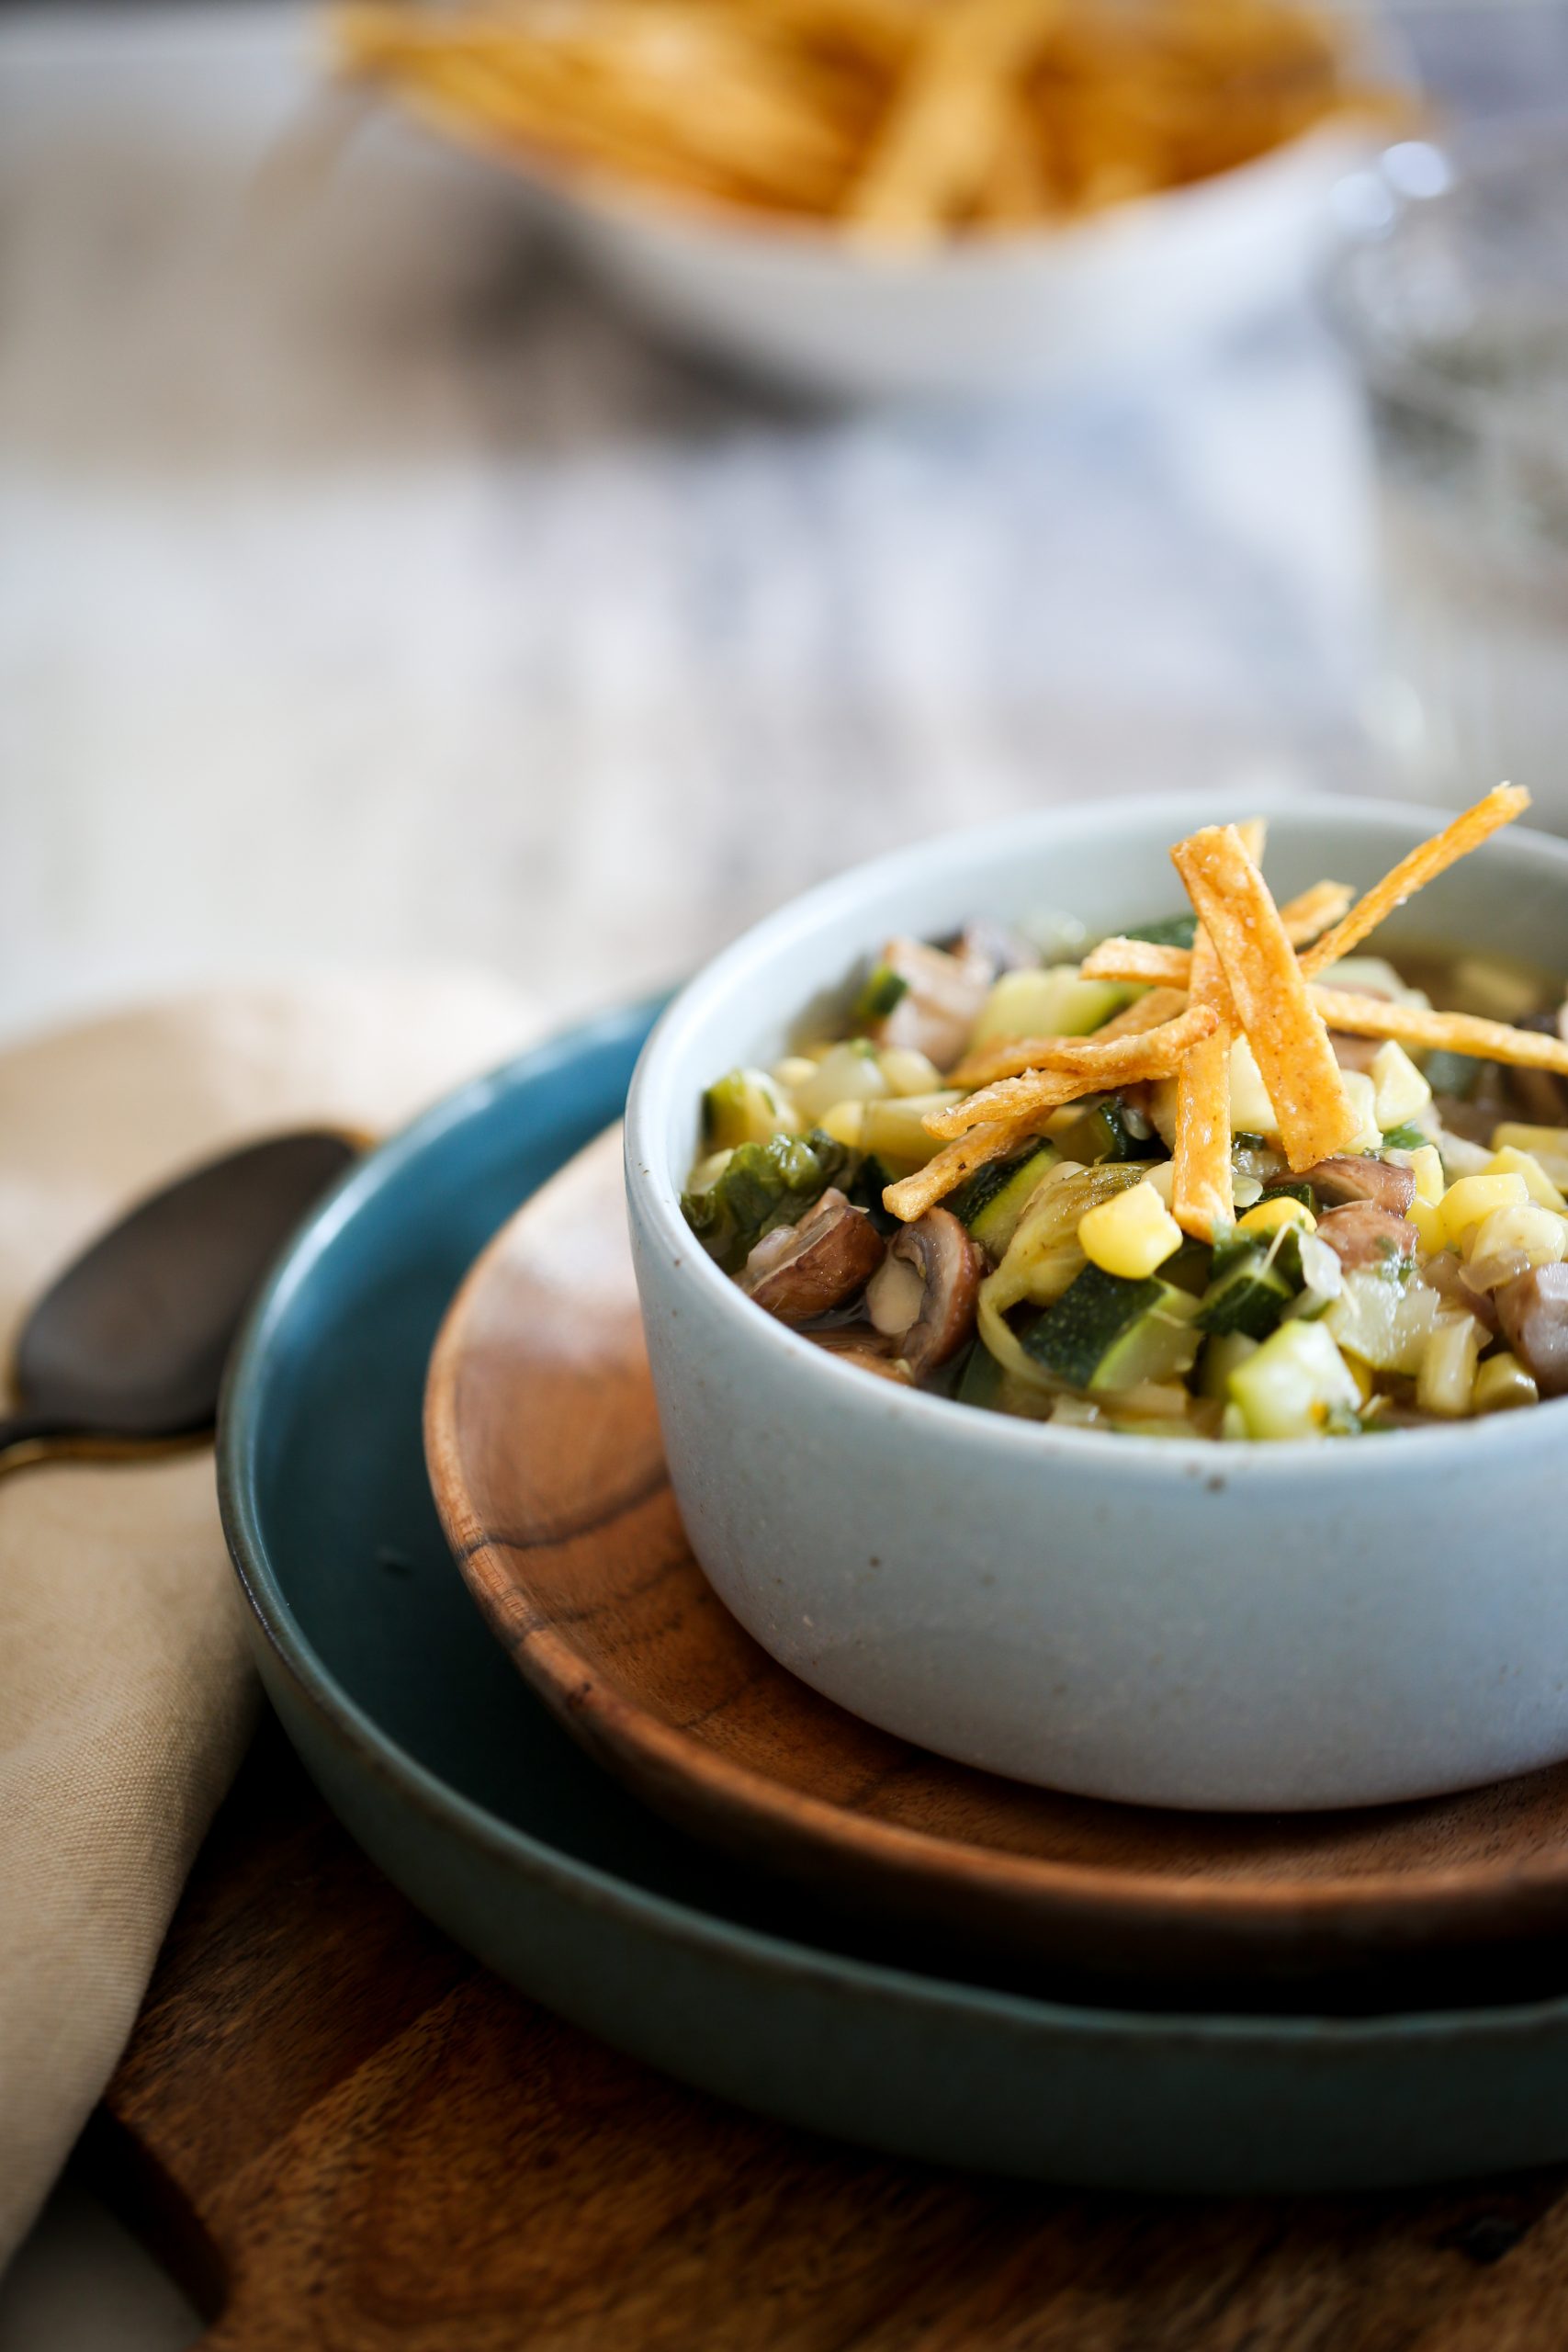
(1451, 291)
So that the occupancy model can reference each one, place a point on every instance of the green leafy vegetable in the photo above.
(761, 1186)
(1405, 1137)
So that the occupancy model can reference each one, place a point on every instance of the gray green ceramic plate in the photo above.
(455, 1779)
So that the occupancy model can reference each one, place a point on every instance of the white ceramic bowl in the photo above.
(1013, 313)
(1265, 1627)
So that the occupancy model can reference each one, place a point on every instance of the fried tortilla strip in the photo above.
(1413, 873)
(1140, 961)
(1284, 1027)
(1010, 1057)
(1082, 1066)
(947, 119)
(1455, 1032)
(911, 1196)
(1201, 1193)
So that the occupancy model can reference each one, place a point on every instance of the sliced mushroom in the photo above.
(1533, 1311)
(943, 993)
(1382, 1182)
(1354, 1053)
(1543, 1095)
(1446, 1272)
(803, 1270)
(923, 1297)
(1361, 1235)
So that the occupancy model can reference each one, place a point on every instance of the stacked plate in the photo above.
(656, 1830)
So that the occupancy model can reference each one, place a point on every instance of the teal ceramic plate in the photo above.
(455, 1780)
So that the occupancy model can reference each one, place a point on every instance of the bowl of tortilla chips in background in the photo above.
(874, 198)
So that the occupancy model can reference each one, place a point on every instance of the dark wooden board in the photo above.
(545, 1460)
(344, 2134)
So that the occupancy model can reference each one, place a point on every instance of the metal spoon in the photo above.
(129, 1345)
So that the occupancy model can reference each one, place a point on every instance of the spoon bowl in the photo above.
(130, 1344)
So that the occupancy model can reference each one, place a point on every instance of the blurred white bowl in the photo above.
(1007, 313)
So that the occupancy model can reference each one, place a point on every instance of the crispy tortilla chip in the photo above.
(1457, 1032)
(1284, 1027)
(1202, 1194)
(1145, 1012)
(1140, 962)
(1010, 1057)
(1077, 1066)
(911, 1196)
(1413, 873)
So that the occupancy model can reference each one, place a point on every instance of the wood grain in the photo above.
(544, 1449)
(345, 2135)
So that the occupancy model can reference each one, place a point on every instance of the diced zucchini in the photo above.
(1452, 1074)
(1190, 1268)
(1386, 1323)
(1251, 1287)
(993, 1199)
(895, 1131)
(747, 1107)
(984, 1382)
(1296, 1385)
(883, 989)
(1220, 1358)
(1105, 1333)
(1051, 1003)
(1101, 1132)
(763, 1185)
(1171, 931)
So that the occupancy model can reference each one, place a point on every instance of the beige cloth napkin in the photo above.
(125, 1694)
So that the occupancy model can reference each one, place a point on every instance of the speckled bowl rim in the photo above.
(1506, 1439)
(369, 1749)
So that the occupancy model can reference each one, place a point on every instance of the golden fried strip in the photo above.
(1140, 961)
(1424, 863)
(1284, 1027)
(1455, 1032)
(948, 118)
(1305, 916)
(1010, 1057)
(911, 1196)
(1083, 1066)
(1202, 1194)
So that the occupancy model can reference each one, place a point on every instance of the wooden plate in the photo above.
(543, 1453)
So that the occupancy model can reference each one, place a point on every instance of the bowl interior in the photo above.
(1104, 869)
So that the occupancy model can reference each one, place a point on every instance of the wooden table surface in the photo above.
(342, 2133)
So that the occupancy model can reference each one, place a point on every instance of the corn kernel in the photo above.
(1469, 1198)
(1532, 1233)
(1269, 1215)
(1363, 1101)
(1551, 1140)
(1511, 1161)
(795, 1069)
(843, 1121)
(1130, 1234)
(1448, 1366)
(1427, 1169)
(1399, 1089)
(1501, 1382)
(1427, 1219)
